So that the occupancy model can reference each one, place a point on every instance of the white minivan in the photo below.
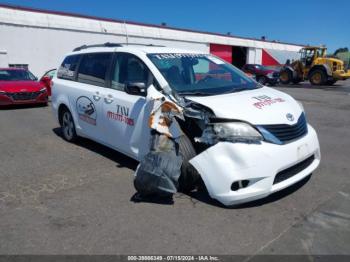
(243, 140)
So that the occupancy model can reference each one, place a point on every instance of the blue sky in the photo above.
(296, 21)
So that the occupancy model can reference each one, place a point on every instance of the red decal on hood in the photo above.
(265, 100)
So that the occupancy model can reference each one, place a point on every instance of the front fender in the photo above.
(324, 67)
(57, 101)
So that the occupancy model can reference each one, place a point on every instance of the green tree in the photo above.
(341, 50)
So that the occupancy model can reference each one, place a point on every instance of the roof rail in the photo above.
(108, 44)
(126, 44)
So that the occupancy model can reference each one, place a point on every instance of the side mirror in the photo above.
(136, 88)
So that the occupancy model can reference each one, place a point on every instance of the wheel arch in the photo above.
(61, 108)
(323, 67)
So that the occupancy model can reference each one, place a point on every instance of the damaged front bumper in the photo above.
(235, 173)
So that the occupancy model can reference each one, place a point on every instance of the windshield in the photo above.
(201, 74)
(16, 75)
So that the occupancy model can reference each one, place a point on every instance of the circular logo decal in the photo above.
(290, 117)
(86, 110)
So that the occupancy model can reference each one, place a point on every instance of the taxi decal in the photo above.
(121, 114)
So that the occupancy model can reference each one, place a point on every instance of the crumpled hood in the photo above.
(261, 106)
(20, 86)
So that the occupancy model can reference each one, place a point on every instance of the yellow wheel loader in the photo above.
(314, 66)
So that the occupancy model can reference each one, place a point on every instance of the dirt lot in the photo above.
(61, 198)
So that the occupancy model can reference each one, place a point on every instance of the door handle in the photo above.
(97, 96)
(109, 99)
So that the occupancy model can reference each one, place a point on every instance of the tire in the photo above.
(318, 77)
(67, 126)
(189, 177)
(286, 77)
(262, 80)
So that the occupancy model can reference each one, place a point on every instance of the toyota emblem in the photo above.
(290, 117)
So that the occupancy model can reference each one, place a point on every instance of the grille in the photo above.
(24, 95)
(291, 171)
(287, 133)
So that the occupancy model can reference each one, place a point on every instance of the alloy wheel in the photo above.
(68, 126)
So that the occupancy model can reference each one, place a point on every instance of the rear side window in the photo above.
(68, 67)
(93, 68)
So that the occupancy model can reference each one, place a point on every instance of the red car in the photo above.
(19, 86)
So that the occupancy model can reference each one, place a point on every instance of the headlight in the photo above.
(43, 90)
(2, 93)
(270, 75)
(236, 129)
(231, 132)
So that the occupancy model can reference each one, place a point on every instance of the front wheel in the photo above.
(318, 77)
(68, 127)
(286, 77)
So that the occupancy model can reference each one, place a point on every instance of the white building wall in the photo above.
(251, 55)
(41, 39)
(258, 56)
(282, 56)
(56, 21)
(254, 55)
(44, 48)
(3, 58)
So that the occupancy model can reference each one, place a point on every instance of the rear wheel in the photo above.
(189, 176)
(67, 126)
(286, 77)
(317, 77)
